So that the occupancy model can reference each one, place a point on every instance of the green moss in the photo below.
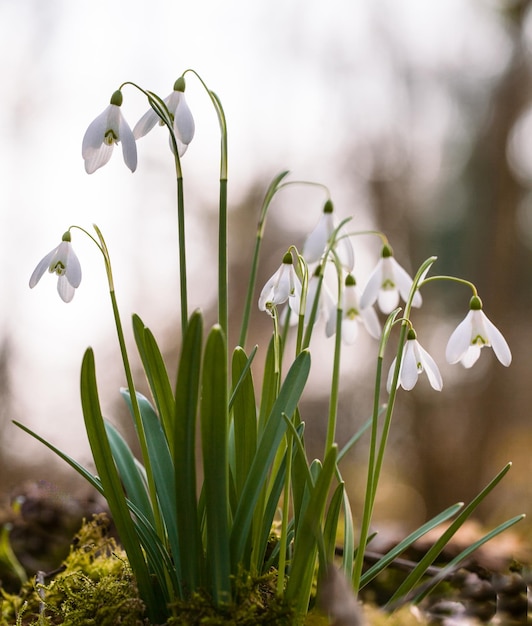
(94, 586)
(256, 604)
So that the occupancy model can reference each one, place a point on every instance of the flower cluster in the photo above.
(111, 128)
(387, 284)
(103, 133)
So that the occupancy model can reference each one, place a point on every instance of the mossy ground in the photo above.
(95, 587)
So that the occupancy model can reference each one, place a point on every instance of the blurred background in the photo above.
(417, 116)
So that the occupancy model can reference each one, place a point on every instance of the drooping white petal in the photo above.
(294, 297)
(409, 366)
(94, 135)
(65, 289)
(387, 299)
(184, 126)
(470, 356)
(460, 340)
(316, 242)
(345, 252)
(349, 330)
(181, 147)
(372, 288)
(430, 368)
(94, 159)
(391, 372)
(498, 342)
(371, 321)
(330, 327)
(42, 266)
(145, 124)
(129, 146)
(403, 282)
(73, 268)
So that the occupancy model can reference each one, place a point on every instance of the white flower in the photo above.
(415, 361)
(386, 283)
(282, 286)
(473, 333)
(63, 262)
(325, 301)
(317, 241)
(183, 122)
(353, 315)
(108, 129)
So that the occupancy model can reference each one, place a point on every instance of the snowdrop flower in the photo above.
(108, 129)
(353, 315)
(325, 300)
(473, 333)
(317, 241)
(415, 361)
(282, 286)
(387, 282)
(183, 122)
(62, 261)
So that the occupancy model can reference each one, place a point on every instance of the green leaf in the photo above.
(330, 531)
(112, 486)
(130, 473)
(244, 418)
(270, 385)
(156, 374)
(214, 439)
(184, 437)
(269, 442)
(403, 545)
(158, 557)
(453, 564)
(163, 471)
(415, 575)
(310, 535)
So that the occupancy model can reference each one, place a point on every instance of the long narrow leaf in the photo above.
(129, 471)
(163, 471)
(214, 439)
(330, 531)
(308, 537)
(158, 557)
(112, 486)
(270, 439)
(415, 575)
(184, 438)
(156, 374)
(453, 564)
(389, 557)
(244, 418)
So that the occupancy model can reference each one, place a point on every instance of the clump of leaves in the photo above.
(94, 585)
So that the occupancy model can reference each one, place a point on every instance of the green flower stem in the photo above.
(283, 540)
(182, 253)
(454, 279)
(130, 383)
(335, 384)
(222, 259)
(159, 106)
(374, 461)
(376, 457)
(222, 226)
(270, 193)
(335, 381)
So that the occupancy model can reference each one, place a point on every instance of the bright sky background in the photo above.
(300, 81)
